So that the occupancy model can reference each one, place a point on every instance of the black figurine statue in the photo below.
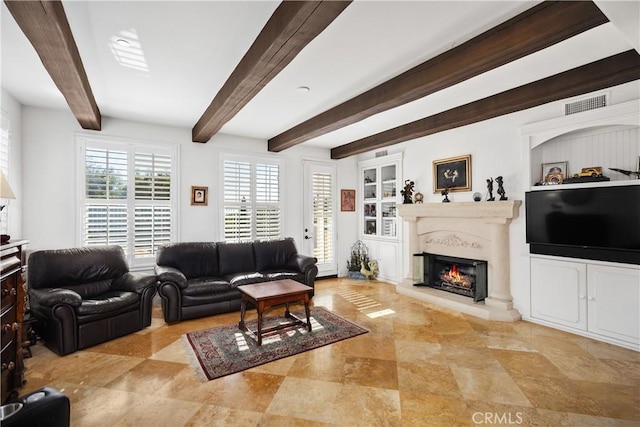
(500, 190)
(490, 198)
(407, 192)
(445, 193)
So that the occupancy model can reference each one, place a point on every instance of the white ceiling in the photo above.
(188, 49)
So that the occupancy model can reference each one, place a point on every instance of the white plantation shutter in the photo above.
(237, 201)
(105, 225)
(105, 215)
(251, 200)
(127, 198)
(152, 229)
(267, 201)
(152, 213)
(323, 217)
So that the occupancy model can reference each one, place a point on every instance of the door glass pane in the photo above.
(323, 217)
(370, 181)
(388, 181)
(389, 220)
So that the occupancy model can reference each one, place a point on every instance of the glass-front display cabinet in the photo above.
(380, 180)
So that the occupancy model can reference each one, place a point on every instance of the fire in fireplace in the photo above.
(457, 275)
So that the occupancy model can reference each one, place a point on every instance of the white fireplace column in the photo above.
(499, 289)
(474, 230)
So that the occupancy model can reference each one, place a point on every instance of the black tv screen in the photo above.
(601, 223)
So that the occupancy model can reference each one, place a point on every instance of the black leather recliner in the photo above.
(202, 278)
(85, 296)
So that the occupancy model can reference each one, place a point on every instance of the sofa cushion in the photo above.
(280, 275)
(273, 254)
(235, 258)
(108, 302)
(196, 259)
(57, 268)
(231, 294)
(93, 289)
(205, 285)
(240, 279)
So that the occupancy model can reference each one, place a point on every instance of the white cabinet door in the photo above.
(614, 302)
(558, 292)
(388, 261)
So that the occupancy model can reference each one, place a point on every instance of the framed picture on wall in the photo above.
(347, 200)
(199, 196)
(453, 173)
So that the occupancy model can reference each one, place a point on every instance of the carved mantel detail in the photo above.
(454, 241)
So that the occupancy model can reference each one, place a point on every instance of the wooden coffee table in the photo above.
(268, 294)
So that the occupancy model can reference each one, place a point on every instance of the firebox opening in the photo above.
(457, 275)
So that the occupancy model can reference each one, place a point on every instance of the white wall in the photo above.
(50, 177)
(13, 110)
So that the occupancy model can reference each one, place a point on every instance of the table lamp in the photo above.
(5, 193)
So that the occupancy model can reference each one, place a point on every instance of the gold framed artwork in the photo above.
(199, 196)
(453, 173)
(347, 200)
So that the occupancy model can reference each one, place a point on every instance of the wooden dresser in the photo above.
(13, 301)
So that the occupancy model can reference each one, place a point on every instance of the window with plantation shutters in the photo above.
(251, 201)
(127, 197)
(322, 188)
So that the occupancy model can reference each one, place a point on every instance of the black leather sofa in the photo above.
(85, 296)
(201, 279)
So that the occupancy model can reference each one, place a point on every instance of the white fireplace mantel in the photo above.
(475, 230)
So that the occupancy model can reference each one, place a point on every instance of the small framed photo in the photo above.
(347, 200)
(453, 173)
(554, 173)
(199, 196)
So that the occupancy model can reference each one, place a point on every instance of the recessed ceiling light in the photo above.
(303, 89)
(123, 42)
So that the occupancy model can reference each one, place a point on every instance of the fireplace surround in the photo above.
(474, 230)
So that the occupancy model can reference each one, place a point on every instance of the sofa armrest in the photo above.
(135, 282)
(301, 262)
(49, 297)
(170, 274)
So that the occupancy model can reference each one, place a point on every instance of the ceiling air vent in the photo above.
(381, 153)
(585, 105)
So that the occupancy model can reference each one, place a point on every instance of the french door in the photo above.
(319, 209)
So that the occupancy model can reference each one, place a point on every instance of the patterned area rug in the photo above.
(224, 350)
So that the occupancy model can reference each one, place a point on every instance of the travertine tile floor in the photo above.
(419, 366)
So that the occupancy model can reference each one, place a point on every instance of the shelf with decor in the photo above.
(379, 224)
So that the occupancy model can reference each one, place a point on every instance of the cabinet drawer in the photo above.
(6, 325)
(9, 292)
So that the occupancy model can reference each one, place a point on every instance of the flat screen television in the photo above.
(601, 223)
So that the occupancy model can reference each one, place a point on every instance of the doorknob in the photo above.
(307, 237)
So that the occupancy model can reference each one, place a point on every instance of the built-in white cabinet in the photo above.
(613, 302)
(598, 299)
(380, 185)
(560, 290)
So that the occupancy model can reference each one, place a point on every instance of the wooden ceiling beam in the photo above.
(45, 25)
(537, 28)
(291, 27)
(614, 70)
